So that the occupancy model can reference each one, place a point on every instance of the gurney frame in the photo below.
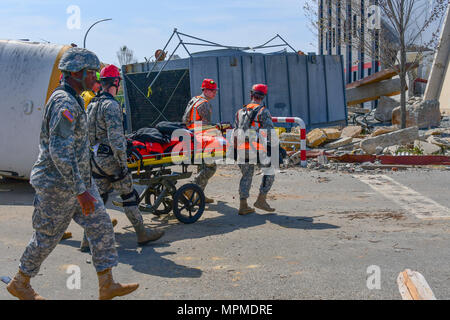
(161, 196)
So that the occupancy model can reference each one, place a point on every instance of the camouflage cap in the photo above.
(77, 59)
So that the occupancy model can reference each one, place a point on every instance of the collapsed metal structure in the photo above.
(310, 87)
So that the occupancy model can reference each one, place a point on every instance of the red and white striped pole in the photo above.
(301, 123)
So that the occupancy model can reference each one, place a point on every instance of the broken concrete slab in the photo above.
(437, 132)
(427, 148)
(339, 143)
(444, 143)
(438, 86)
(372, 91)
(382, 130)
(295, 159)
(290, 137)
(389, 139)
(357, 110)
(332, 134)
(351, 131)
(380, 76)
(383, 112)
(392, 150)
(424, 114)
(315, 138)
(285, 138)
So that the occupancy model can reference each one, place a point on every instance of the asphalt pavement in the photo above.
(330, 231)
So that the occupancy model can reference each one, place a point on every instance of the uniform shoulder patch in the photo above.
(66, 113)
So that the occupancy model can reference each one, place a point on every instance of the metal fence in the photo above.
(307, 86)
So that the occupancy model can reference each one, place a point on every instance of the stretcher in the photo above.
(155, 167)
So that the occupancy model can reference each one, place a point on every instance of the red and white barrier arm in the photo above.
(301, 123)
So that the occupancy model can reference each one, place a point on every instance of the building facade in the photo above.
(351, 28)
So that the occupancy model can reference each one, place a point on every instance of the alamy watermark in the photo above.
(74, 280)
(373, 281)
(74, 20)
(237, 147)
(373, 18)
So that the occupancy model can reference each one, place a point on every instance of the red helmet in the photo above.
(209, 84)
(110, 71)
(259, 89)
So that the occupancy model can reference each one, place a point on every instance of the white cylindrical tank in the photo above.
(28, 75)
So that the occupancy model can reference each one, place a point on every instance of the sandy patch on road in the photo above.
(378, 215)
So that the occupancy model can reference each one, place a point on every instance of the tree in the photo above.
(398, 26)
(125, 56)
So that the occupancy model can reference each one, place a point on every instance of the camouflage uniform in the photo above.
(204, 109)
(106, 129)
(242, 122)
(62, 172)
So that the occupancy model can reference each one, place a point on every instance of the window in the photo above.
(355, 75)
(334, 37)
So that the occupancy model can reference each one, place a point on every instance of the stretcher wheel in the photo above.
(152, 194)
(189, 209)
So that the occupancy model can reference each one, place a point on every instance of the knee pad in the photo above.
(132, 203)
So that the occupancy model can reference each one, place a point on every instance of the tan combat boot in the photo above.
(244, 208)
(108, 289)
(262, 204)
(66, 235)
(145, 235)
(188, 195)
(20, 288)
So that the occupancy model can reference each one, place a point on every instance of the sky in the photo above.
(145, 26)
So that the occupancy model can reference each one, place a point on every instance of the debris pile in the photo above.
(373, 145)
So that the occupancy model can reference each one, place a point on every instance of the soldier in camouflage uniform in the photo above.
(109, 161)
(200, 110)
(64, 186)
(254, 117)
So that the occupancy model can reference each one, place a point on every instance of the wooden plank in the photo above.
(372, 91)
(378, 76)
(413, 286)
(357, 110)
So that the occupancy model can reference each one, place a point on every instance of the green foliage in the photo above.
(413, 151)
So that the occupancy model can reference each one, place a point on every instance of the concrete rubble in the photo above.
(427, 148)
(374, 140)
(403, 136)
(351, 131)
(386, 105)
(358, 148)
(423, 114)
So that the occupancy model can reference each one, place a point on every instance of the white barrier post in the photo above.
(301, 123)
